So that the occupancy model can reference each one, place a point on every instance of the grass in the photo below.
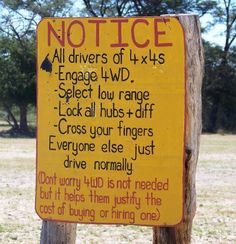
(2, 228)
(215, 220)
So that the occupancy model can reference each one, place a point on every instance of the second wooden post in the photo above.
(194, 74)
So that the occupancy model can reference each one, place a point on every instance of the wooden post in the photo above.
(194, 74)
(58, 232)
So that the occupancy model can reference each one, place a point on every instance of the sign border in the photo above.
(184, 134)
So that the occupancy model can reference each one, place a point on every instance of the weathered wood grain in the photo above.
(194, 74)
(58, 233)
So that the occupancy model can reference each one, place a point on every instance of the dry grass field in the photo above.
(215, 220)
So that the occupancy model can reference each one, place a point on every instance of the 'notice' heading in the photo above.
(64, 36)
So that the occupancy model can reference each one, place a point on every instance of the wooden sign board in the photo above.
(111, 120)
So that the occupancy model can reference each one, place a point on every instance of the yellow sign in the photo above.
(111, 120)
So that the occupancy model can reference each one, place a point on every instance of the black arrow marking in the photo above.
(46, 64)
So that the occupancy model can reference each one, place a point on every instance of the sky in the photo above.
(215, 34)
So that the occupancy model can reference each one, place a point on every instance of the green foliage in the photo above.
(17, 70)
(219, 87)
(219, 90)
(18, 20)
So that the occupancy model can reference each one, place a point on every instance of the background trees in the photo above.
(18, 20)
(101, 8)
(17, 77)
(219, 87)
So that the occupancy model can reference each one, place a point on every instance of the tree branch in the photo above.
(232, 40)
(89, 7)
(17, 35)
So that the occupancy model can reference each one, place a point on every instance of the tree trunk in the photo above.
(11, 117)
(23, 118)
(58, 233)
(194, 72)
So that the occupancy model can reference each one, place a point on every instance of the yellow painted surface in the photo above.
(110, 129)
